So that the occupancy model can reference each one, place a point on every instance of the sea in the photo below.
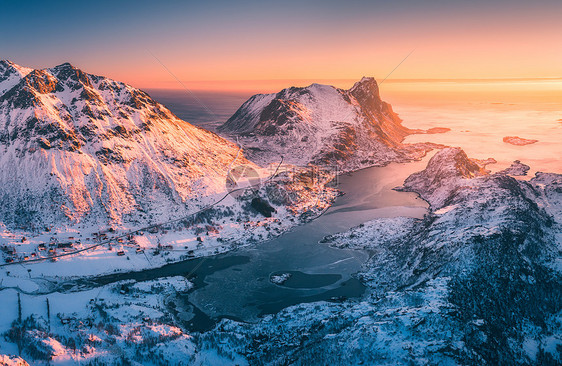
(479, 114)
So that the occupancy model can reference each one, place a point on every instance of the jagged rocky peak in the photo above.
(447, 167)
(71, 102)
(279, 113)
(9, 67)
(366, 91)
(67, 72)
(448, 163)
(10, 75)
(62, 78)
(41, 81)
(517, 168)
(302, 104)
(454, 161)
(66, 79)
(6, 68)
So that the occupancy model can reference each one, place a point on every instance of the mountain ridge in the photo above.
(98, 147)
(324, 125)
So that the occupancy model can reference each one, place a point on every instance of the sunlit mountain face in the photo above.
(281, 183)
(96, 149)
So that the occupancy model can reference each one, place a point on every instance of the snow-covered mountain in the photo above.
(321, 124)
(76, 146)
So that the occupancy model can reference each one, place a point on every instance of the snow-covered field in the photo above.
(127, 319)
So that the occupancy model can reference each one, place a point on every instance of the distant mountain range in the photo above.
(76, 146)
(322, 124)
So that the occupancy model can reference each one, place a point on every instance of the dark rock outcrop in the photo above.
(262, 206)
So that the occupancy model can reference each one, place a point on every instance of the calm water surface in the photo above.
(319, 272)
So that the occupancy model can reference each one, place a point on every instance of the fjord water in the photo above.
(321, 272)
(238, 284)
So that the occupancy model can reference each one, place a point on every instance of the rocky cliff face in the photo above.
(76, 146)
(321, 124)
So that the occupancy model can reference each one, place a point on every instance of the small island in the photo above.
(436, 130)
(519, 141)
(280, 279)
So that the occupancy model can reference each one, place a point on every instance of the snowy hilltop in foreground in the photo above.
(324, 125)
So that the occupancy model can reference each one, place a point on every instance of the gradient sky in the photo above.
(216, 44)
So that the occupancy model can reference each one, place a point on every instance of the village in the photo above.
(294, 197)
(21, 249)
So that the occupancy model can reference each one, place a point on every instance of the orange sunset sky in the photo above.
(263, 45)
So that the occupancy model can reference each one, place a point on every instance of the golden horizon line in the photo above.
(397, 80)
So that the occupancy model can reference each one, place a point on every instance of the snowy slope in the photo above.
(10, 75)
(75, 146)
(322, 124)
(477, 281)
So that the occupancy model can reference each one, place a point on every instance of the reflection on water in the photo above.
(480, 133)
(481, 113)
